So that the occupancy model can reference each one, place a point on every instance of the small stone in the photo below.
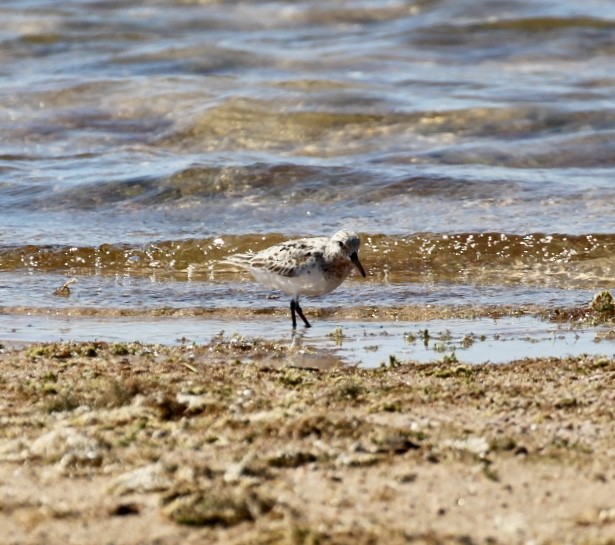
(215, 505)
(151, 478)
(125, 509)
(291, 458)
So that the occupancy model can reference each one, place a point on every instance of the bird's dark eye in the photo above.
(340, 243)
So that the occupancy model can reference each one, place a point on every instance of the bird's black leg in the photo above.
(292, 313)
(300, 313)
(294, 306)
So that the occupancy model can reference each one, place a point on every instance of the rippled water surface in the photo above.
(472, 144)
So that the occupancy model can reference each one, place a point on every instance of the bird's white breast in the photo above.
(309, 282)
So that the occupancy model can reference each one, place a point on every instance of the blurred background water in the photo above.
(472, 144)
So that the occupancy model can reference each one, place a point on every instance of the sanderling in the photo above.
(307, 266)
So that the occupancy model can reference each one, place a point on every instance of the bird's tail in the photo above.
(237, 260)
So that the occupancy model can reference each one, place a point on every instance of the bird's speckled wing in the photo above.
(290, 258)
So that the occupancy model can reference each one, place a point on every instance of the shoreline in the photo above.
(361, 336)
(370, 313)
(133, 443)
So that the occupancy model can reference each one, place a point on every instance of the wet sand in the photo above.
(226, 443)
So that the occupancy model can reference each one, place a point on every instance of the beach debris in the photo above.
(64, 289)
(68, 448)
(215, 505)
(603, 302)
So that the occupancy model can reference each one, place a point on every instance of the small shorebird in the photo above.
(307, 266)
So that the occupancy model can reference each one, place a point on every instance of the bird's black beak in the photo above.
(354, 257)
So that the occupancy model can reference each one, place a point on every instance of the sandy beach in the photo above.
(226, 443)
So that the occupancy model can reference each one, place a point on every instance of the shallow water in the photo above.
(336, 342)
(471, 145)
